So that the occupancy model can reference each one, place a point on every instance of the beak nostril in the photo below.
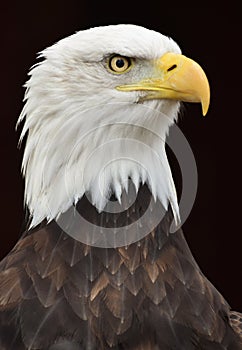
(171, 68)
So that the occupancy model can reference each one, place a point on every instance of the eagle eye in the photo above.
(119, 64)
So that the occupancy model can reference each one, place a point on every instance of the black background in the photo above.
(209, 34)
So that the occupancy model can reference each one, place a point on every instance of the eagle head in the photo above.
(98, 108)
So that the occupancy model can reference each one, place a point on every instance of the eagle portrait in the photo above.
(99, 265)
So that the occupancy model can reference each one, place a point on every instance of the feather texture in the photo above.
(149, 295)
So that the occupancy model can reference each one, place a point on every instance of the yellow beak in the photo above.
(175, 77)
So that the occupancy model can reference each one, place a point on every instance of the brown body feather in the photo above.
(57, 293)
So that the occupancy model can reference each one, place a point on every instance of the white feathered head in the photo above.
(97, 112)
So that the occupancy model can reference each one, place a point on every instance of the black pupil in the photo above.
(120, 63)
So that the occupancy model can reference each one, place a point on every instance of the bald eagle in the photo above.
(95, 269)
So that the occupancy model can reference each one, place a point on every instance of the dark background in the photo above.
(211, 36)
